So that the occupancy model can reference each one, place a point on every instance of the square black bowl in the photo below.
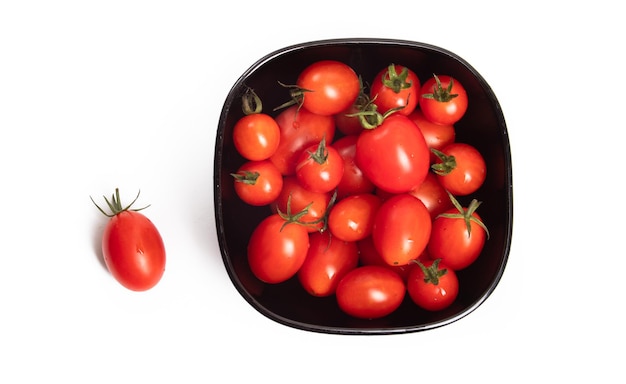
(483, 126)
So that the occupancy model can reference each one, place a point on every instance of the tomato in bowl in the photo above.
(477, 121)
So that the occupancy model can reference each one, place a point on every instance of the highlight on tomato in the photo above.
(256, 135)
(132, 246)
(258, 183)
(432, 285)
(460, 168)
(443, 99)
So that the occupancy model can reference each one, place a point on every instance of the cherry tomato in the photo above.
(328, 86)
(256, 136)
(132, 246)
(258, 183)
(299, 129)
(319, 167)
(327, 261)
(401, 229)
(458, 236)
(443, 100)
(370, 292)
(368, 255)
(353, 180)
(277, 249)
(437, 136)
(352, 218)
(395, 87)
(461, 168)
(394, 155)
(433, 195)
(432, 285)
(294, 198)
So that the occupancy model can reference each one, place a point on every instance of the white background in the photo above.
(98, 95)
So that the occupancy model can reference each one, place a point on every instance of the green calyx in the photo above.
(447, 165)
(246, 177)
(431, 273)
(466, 214)
(251, 102)
(115, 204)
(296, 93)
(394, 81)
(440, 93)
(321, 154)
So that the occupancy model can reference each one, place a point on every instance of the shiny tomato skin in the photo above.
(401, 229)
(258, 182)
(133, 250)
(370, 292)
(352, 218)
(299, 128)
(319, 169)
(437, 136)
(394, 155)
(327, 261)
(433, 195)
(277, 251)
(316, 203)
(450, 241)
(443, 112)
(353, 180)
(256, 136)
(368, 255)
(386, 97)
(330, 87)
(428, 295)
(470, 170)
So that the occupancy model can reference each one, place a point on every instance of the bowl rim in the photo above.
(217, 174)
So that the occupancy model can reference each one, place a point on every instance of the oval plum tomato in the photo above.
(328, 87)
(394, 155)
(443, 100)
(327, 261)
(370, 292)
(368, 255)
(395, 87)
(401, 229)
(461, 168)
(319, 168)
(256, 136)
(352, 218)
(437, 136)
(294, 198)
(258, 183)
(277, 249)
(299, 128)
(433, 195)
(132, 246)
(458, 236)
(353, 180)
(432, 285)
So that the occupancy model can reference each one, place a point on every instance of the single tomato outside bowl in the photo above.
(483, 126)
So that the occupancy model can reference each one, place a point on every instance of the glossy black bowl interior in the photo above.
(483, 126)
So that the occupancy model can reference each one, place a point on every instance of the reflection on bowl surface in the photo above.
(483, 126)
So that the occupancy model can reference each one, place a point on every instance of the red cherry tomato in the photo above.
(461, 168)
(353, 180)
(327, 261)
(352, 218)
(258, 183)
(132, 246)
(433, 195)
(319, 167)
(299, 129)
(368, 255)
(395, 87)
(370, 292)
(401, 229)
(256, 136)
(277, 249)
(458, 236)
(394, 155)
(443, 100)
(294, 198)
(432, 285)
(437, 136)
(329, 87)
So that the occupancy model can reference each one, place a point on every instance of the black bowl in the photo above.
(483, 126)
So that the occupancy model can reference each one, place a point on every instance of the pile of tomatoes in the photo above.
(362, 178)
